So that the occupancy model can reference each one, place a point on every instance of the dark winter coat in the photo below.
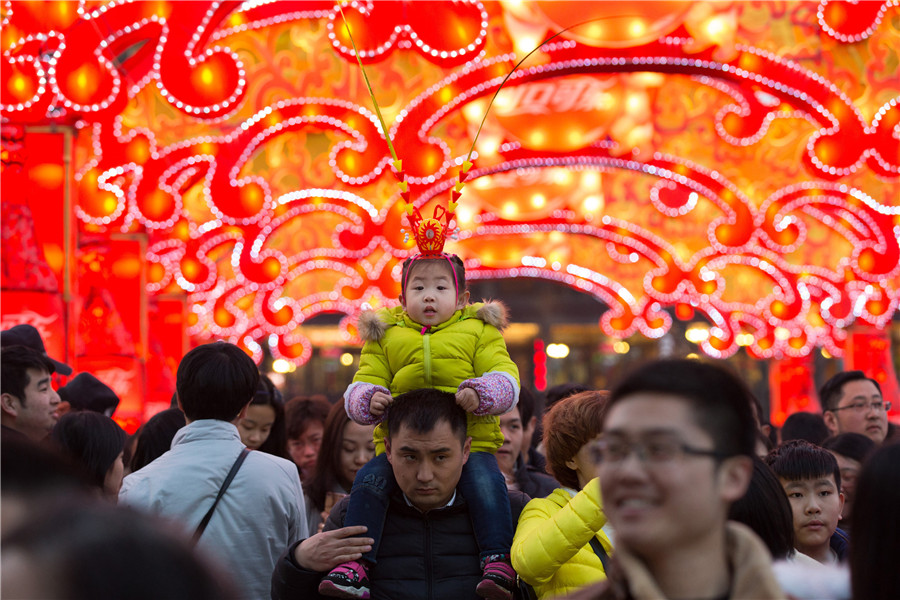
(423, 556)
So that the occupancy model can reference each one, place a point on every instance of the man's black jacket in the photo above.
(423, 556)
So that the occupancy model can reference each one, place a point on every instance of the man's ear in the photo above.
(9, 404)
(734, 477)
(831, 422)
(467, 447)
(462, 300)
(387, 449)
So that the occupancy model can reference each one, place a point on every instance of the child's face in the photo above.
(430, 297)
(816, 504)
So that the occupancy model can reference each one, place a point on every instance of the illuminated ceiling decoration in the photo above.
(731, 162)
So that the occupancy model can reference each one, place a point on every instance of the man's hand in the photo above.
(379, 403)
(468, 399)
(324, 551)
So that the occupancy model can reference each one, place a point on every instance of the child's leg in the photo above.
(484, 488)
(367, 506)
(369, 498)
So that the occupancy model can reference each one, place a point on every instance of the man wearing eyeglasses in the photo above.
(674, 453)
(852, 402)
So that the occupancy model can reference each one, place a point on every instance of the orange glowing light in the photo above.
(138, 151)
(110, 203)
(158, 204)
(81, 83)
(637, 27)
(19, 83)
(867, 260)
(127, 267)
(779, 308)
(207, 75)
(271, 267)
(155, 272)
(827, 150)
(223, 318)
(48, 175)
(190, 268)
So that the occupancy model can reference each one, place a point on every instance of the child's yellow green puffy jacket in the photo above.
(551, 548)
(400, 357)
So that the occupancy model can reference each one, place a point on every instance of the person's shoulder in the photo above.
(134, 485)
(548, 505)
(517, 501)
(273, 464)
(535, 483)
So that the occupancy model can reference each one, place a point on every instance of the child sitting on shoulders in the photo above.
(435, 339)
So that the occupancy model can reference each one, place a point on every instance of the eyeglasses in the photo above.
(652, 452)
(861, 407)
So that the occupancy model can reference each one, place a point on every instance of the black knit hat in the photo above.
(86, 392)
(27, 335)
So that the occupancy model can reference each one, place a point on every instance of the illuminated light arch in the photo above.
(220, 226)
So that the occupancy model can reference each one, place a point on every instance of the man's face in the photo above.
(427, 466)
(855, 412)
(816, 504)
(513, 434)
(305, 449)
(663, 507)
(35, 413)
(849, 473)
(430, 296)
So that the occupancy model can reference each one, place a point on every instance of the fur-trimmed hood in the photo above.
(372, 325)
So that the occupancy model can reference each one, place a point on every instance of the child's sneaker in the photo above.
(348, 580)
(498, 580)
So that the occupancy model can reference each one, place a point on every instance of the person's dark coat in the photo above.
(533, 482)
(840, 543)
(422, 556)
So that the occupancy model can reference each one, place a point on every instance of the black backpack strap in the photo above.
(600, 551)
(234, 469)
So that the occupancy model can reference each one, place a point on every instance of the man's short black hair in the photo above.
(805, 426)
(421, 410)
(528, 405)
(798, 459)
(853, 445)
(831, 391)
(14, 364)
(720, 400)
(215, 381)
(562, 391)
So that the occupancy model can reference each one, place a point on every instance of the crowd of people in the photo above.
(440, 476)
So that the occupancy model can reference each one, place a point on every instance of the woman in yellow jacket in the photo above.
(552, 548)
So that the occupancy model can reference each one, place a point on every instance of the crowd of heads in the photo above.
(684, 436)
